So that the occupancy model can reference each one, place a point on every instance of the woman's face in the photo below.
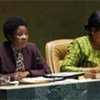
(20, 38)
(96, 38)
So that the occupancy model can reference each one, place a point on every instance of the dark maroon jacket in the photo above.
(33, 61)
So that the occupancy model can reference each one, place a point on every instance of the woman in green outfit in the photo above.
(84, 53)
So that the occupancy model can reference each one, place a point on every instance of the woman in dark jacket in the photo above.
(18, 57)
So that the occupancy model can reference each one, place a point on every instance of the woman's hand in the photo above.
(21, 74)
(91, 72)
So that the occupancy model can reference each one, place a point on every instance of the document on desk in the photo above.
(64, 75)
(37, 80)
(51, 78)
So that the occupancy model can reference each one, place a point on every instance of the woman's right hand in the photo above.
(91, 72)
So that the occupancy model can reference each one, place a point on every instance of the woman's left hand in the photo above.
(21, 74)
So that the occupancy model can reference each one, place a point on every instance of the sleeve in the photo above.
(72, 58)
(41, 65)
(2, 73)
(11, 75)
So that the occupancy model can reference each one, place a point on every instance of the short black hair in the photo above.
(12, 23)
(93, 21)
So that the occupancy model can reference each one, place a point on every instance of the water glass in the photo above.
(4, 80)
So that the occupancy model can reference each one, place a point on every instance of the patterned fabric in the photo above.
(19, 60)
(81, 54)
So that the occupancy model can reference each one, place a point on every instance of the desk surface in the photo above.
(61, 90)
(55, 83)
(59, 75)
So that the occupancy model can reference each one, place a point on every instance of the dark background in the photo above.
(50, 19)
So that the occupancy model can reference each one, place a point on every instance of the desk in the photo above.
(64, 90)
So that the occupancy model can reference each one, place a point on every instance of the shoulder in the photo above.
(31, 46)
(80, 42)
(83, 43)
(3, 45)
(82, 38)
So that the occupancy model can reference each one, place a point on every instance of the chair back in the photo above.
(55, 53)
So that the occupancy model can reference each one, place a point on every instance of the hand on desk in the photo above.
(91, 72)
(21, 74)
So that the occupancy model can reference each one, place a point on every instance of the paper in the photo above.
(35, 80)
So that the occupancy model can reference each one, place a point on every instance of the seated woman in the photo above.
(18, 57)
(84, 53)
